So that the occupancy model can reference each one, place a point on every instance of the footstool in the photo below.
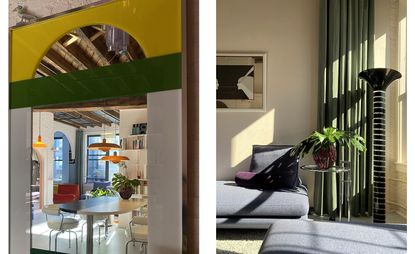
(301, 236)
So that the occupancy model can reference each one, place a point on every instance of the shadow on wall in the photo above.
(234, 154)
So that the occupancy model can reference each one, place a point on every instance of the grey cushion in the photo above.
(264, 155)
(236, 201)
(299, 236)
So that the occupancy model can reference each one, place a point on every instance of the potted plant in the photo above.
(124, 186)
(101, 192)
(324, 145)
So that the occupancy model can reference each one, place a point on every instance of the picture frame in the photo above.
(241, 82)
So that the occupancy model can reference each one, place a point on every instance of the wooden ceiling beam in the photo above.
(107, 104)
(77, 116)
(91, 49)
(60, 61)
(113, 114)
(95, 117)
(70, 123)
(79, 53)
(65, 54)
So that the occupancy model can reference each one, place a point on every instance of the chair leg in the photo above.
(99, 234)
(82, 231)
(50, 237)
(69, 239)
(76, 239)
(126, 246)
(56, 240)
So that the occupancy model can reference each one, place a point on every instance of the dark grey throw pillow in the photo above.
(264, 155)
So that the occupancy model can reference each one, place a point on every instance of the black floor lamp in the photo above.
(379, 79)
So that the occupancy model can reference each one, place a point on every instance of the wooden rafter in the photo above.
(77, 52)
(113, 114)
(60, 61)
(70, 123)
(107, 104)
(91, 48)
(94, 117)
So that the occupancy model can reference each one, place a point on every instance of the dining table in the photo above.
(100, 206)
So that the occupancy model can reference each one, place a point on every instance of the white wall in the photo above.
(20, 165)
(390, 52)
(165, 171)
(47, 131)
(288, 31)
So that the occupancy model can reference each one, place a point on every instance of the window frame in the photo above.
(55, 160)
(87, 179)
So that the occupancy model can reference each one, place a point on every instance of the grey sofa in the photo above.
(240, 207)
(312, 237)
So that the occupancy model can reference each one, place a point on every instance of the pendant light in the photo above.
(39, 143)
(115, 158)
(104, 146)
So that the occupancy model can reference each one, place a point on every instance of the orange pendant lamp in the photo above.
(39, 143)
(104, 146)
(115, 158)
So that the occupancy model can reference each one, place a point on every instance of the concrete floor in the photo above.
(115, 242)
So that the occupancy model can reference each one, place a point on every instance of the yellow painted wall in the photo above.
(155, 24)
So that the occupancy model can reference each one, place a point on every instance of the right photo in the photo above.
(311, 101)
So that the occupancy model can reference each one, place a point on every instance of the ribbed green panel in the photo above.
(120, 80)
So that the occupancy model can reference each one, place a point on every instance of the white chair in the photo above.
(139, 233)
(101, 221)
(56, 221)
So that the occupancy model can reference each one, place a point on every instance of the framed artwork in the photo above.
(240, 81)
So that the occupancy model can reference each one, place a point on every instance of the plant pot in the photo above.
(125, 192)
(325, 157)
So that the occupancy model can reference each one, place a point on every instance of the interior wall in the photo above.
(47, 131)
(165, 171)
(19, 195)
(288, 31)
(390, 52)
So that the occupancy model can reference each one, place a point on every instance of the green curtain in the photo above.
(345, 102)
(79, 150)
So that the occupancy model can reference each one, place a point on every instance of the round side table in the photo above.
(341, 169)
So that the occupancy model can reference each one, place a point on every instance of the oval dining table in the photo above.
(100, 206)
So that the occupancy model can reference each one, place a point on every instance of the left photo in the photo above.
(99, 117)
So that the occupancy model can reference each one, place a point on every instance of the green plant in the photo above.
(101, 192)
(329, 137)
(120, 180)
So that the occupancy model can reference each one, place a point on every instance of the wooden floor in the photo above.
(115, 242)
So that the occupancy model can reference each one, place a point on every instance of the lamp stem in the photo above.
(40, 119)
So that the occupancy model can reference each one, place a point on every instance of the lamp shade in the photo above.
(115, 158)
(39, 143)
(104, 146)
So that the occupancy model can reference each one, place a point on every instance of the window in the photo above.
(57, 159)
(98, 170)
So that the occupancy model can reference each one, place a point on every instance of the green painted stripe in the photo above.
(119, 80)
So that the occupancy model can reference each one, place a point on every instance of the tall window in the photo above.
(98, 170)
(57, 159)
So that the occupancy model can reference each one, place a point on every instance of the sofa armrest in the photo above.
(63, 198)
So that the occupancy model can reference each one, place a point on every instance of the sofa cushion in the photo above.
(264, 155)
(235, 201)
(281, 172)
(300, 236)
